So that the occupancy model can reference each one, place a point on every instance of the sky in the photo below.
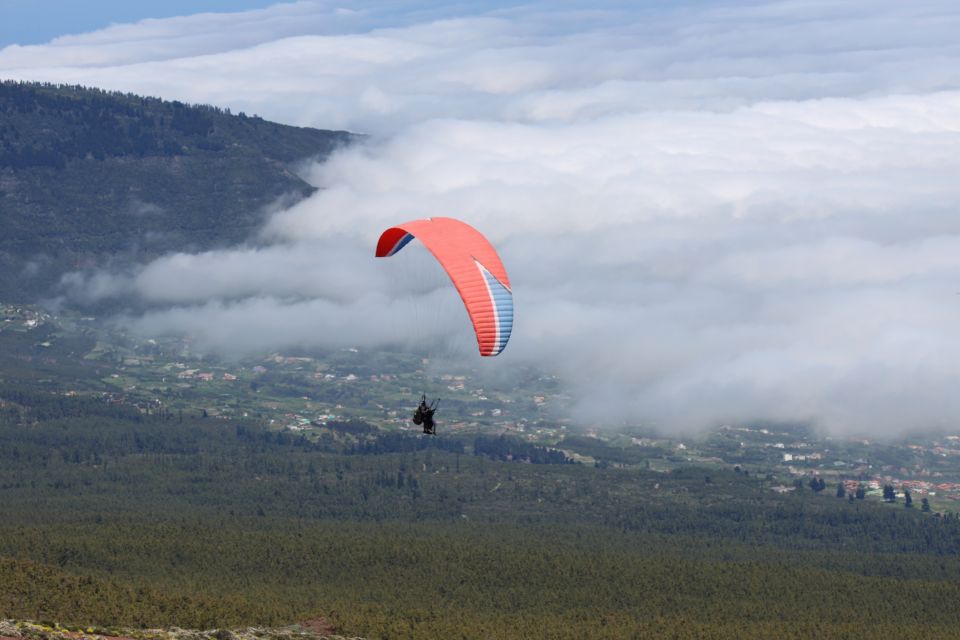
(27, 22)
(712, 212)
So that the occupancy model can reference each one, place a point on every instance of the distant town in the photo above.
(304, 393)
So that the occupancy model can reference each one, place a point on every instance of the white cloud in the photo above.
(309, 63)
(711, 212)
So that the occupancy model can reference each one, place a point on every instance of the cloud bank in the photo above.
(712, 212)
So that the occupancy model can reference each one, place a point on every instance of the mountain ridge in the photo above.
(89, 177)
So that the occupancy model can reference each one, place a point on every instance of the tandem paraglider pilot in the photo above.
(424, 414)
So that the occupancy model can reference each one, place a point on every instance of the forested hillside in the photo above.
(114, 516)
(89, 175)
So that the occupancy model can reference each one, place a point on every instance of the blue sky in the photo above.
(38, 21)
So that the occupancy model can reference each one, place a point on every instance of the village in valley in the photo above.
(311, 393)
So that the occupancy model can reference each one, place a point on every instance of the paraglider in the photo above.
(424, 414)
(475, 270)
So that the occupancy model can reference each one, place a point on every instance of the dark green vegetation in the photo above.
(87, 175)
(112, 516)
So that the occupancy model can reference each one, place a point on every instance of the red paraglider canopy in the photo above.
(474, 267)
